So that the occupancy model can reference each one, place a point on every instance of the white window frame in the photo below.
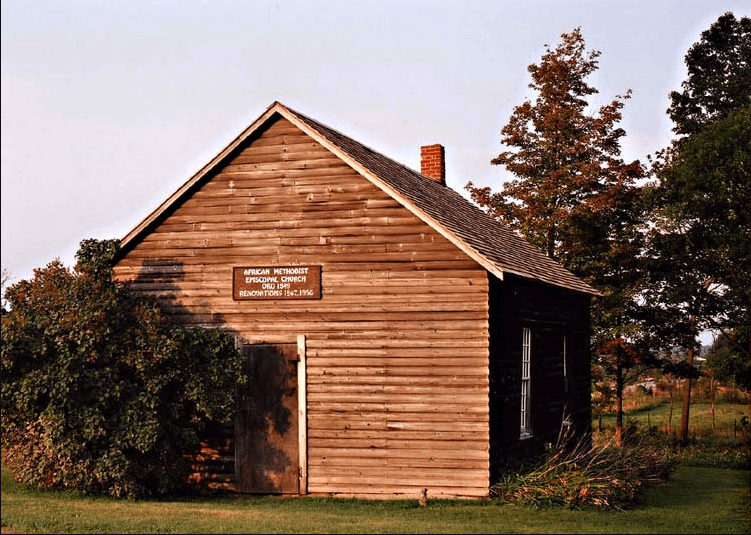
(526, 384)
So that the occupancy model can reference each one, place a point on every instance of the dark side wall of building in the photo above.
(551, 314)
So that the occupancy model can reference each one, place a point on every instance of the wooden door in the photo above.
(266, 447)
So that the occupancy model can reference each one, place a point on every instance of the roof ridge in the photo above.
(319, 125)
(525, 260)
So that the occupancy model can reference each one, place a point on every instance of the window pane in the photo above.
(526, 428)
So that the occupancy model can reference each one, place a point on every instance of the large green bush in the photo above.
(101, 392)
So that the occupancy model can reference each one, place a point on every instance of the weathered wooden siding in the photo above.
(213, 466)
(397, 346)
(551, 314)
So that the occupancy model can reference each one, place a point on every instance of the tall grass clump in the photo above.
(582, 476)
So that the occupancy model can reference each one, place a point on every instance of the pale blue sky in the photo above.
(109, 106)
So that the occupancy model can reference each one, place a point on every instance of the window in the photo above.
(526, 427)
(566, 423)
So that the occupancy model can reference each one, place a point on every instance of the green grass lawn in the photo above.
(694, 500)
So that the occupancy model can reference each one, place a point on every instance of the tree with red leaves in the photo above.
(574, 196)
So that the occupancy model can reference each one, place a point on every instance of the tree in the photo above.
(719, 76)
(574, 197)
(728, 364)
(700, 244)
(566, 159)
(100, 391)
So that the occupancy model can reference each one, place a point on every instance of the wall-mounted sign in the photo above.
(277, 282)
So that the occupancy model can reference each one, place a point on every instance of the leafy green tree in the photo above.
(574, 196)
(719, 76)
(728, 364)
(100, 391)
(700, 243)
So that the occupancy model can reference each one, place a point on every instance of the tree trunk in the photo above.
(712, 388)
(670, 411)
(686, 398)
(619, 407)
(550, 238)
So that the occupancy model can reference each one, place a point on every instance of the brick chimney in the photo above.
(432, 163)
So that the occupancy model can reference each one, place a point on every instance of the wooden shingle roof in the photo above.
(494, 246)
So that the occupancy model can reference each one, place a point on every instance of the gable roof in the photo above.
(492, 245)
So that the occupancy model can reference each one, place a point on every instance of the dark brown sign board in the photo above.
(276, 282)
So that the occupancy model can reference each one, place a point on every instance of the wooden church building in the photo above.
(398, 337)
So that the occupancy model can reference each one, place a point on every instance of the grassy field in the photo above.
(731, 420)
(695, 500)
